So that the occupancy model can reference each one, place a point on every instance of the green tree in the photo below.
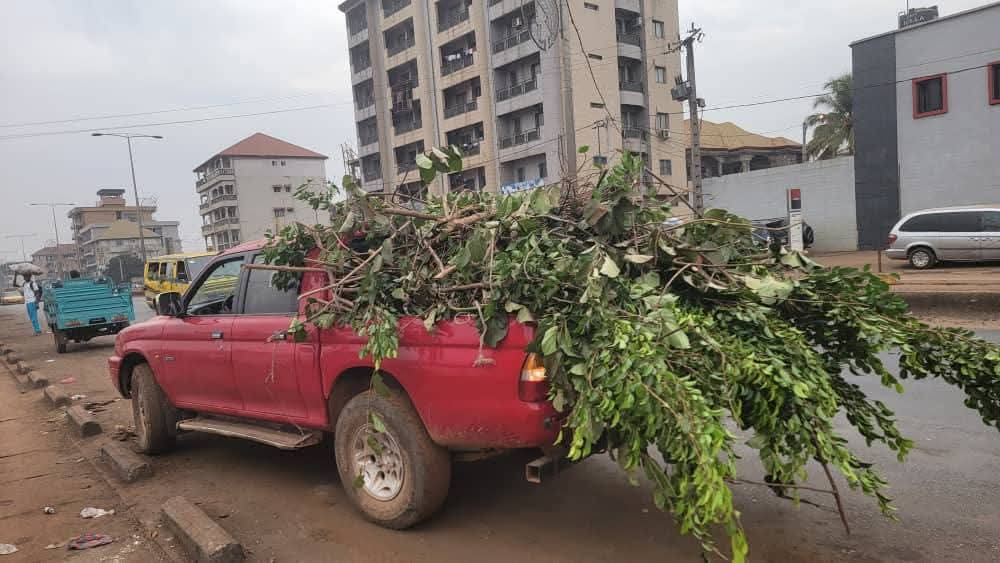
(128, 264)
(833, 132)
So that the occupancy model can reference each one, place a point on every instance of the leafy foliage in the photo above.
(834, 127)
(659, 339)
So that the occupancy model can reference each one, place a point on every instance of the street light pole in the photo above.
(55, 228)
(135, 189)
(24, 255)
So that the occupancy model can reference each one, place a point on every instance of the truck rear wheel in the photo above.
(155, 418)
(396, 478)
(60, 339)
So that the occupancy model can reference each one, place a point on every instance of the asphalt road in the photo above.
(289, 505)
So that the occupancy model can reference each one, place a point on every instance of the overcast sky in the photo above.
(66, 59)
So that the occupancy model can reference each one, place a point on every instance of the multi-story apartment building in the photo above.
(249, 188)
(926, 117)
(100, 242)
(518, 84)
(86, 222)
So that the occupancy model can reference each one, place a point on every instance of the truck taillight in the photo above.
(533, 386)
(892, 238)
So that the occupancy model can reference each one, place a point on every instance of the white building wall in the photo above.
(827, 198)
(952, 158)
(256, 200)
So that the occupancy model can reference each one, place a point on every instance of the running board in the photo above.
(281, 439)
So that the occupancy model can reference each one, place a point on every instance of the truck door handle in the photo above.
(279, 335)
(216, 335)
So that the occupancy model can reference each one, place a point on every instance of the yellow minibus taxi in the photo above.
(172, 272)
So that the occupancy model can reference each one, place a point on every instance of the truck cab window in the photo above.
(262, 298)
(217, 291)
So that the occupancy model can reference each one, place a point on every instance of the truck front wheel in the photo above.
(155, 418)
(397, 477)
(61, 340)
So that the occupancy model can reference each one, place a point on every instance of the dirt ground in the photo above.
(289, 506)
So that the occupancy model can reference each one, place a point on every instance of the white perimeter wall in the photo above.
(827, 198)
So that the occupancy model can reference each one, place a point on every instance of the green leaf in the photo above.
(348, 224)
(550, 340)
(359, 481)
(609, 268)
(496, 330)
(525, 316)
(678, 339)
(424, 163)
(583, 149)
(638, 258)
(759, 441)
(511, 306)
(387, 251)
(430, 320)
(378, 385)
(377, 424)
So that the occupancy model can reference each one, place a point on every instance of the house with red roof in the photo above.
(249, 188)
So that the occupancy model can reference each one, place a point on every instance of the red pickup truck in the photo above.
(221, 361)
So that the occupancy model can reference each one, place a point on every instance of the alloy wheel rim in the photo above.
(921, 259)
(377, 458)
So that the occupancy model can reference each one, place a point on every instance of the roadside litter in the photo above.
(91, 512)
(98, 406)
(87, 541)
(122, 434)
(7, 549)
(67, 380)
(49, 510)
(77, 397)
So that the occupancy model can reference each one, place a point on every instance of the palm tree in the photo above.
(834, 129)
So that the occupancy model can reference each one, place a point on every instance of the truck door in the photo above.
(269, 366)
(197, 348)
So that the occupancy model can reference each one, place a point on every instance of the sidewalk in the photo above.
(944, 278)
(41, 465)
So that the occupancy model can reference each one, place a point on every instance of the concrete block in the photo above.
(38, 379)
(201, 537)
(83, 422)
(23, 368)
(56, 396)
(127, 465)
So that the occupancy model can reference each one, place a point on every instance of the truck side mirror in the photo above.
(169, 304)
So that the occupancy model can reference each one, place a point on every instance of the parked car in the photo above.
(220, 360)
(951, 234)
(766, 231)
(11, 296)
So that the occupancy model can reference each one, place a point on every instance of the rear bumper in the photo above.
(114, 367)
(896, 254)
(508, 425)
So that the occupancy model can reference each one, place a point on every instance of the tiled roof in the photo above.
(732, 137)
(263, 145)
(51, 250)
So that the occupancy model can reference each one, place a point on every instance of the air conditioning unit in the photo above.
(663, 134)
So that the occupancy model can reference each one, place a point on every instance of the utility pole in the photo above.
(805, 128)
(694, 34)
(24, 255)
(55, 228)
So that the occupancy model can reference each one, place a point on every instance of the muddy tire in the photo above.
(405, 475)
(155, 418)
(61, 340)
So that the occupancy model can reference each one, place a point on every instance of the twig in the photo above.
(779, 485)
(466, 287)
(673, 191)
(836, 497)
(444, 273)
(283, 268)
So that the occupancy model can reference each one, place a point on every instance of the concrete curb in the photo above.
(83, 422)
(127, 465)
(12, 358)
(56, 396)
(23, 368)
(201, 537)
(38, 379)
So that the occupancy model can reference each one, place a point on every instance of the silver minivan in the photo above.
(960, 234)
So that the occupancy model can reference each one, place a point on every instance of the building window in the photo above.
(282, 162)
(520, 174)
(279, 212)
(277, 189)
(930, 95)
(274, 163)
(658, 30)
(288, 188)
(666, 167)
(590, 6)
(661, 75)
(597, 105)
(595, 57)
(543, 170)
(662, 121)
(994, 81)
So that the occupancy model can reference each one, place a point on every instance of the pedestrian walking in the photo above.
(32, 297)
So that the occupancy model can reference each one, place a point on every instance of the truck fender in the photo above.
(351, 382)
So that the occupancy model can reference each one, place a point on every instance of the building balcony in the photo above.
(516, 89)
(406, 166)
(360, 75)
(214, 176)
(452, 19)
(203, 206)
(630, 38)
(207, 229)
(407, 125)
(512, 40)
(459, 109)
(356, 37)
(367, 146)
(364, 103)
(520, 138)
(392, 6)
(630, 86)
(456, 64)
(634, 139)
(393, 50)
(372, 175)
